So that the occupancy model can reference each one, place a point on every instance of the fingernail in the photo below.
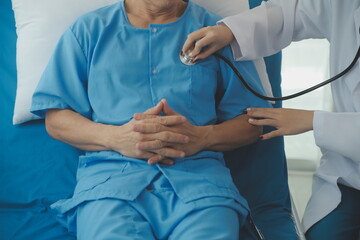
(136, 116)
(189, 54)
(261, 137)
(251, 120)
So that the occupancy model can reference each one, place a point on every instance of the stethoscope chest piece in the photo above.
(185, 59)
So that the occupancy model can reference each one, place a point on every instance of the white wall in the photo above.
(304, 64)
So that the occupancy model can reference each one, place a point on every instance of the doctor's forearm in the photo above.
(232, 134)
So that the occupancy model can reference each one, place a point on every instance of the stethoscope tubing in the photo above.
(253, 91)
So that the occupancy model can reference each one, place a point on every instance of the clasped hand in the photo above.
(160, 139)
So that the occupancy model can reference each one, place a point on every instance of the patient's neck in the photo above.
(141, 13)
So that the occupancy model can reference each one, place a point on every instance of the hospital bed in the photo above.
(36, 170)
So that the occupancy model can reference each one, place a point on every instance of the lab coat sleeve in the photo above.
(273, 25)
(338, 132)
(63, 84)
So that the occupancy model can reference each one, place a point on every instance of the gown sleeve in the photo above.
(63, 84)
(232, 96)
(265, 30)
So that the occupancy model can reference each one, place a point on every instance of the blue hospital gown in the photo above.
(106, 70)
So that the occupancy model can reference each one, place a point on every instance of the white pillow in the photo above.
(39, 25)
(232, 7)
(224, 8)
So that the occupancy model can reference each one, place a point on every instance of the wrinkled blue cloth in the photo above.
(157, 214)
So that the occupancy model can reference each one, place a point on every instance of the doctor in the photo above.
(333, 212)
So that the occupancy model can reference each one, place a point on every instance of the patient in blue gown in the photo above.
(124, 59)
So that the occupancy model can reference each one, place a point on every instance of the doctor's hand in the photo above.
(197, 135)
(204, 42)
(287, 121)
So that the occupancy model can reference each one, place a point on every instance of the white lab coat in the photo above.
(271, 27)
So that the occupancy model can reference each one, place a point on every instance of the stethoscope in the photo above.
(190, 61)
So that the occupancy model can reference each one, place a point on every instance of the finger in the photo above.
(263, 122)
(167, 161)
(160, 159)
(169, 153)
(167, 109)
(141, 116)
(148, 127)
(164, 120)
(172, 137)
(157, 144)
(155, 110)
(150, 145)
(145, 155)
(191, 39)
(199, 46)
(206, 52)
(155, 159)
(262, 112)
(272, 134)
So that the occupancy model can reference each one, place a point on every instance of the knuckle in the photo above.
(167, 136)
(157, 128)
(159, 144)
(141, 137)
(190, 37)
(161, 152)
(163, 120)
(198, 44)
